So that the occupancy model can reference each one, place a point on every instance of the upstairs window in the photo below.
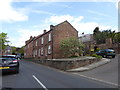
(49, 37)
(36, 43)
(42, 40)
(28, 45)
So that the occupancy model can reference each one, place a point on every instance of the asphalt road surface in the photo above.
(107, 73)
(34, 75)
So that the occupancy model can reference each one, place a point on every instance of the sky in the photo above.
(21, 19)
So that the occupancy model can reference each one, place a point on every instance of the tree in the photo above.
(101, 36)
(16, 50)
(71, 46)
(3, 40)
(96, 31)
(21, 50)
(117, 38)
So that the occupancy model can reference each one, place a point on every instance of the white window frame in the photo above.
(38, 52)
(42, 40)
(34, 53)
(49, 37)
(36, 43)
(42, 51)
(49, 49)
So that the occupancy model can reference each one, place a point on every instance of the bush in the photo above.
(99, 57)
(94, 55)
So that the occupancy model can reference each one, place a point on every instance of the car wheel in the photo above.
(104, 56)
(17, 70)
(113, 56)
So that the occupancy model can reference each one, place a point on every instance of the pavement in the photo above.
(91, 66)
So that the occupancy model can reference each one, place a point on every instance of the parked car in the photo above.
(9, 63)
(106, 52)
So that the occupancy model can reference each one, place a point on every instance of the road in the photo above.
(34, 75)
(107, 73)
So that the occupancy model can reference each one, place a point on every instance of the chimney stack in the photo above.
(45, 31)
(51, 27)
(31, 37)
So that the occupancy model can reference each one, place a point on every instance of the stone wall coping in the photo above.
(72, 59)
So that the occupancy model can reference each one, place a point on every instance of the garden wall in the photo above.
(66, 64)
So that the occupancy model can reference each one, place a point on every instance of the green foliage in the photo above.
(21, 50)
(97, 49)
(94, 55)
(117, 38)
(13, 49)
(71, 46)
(17, 50)
(97, 56)
(3, 40)
(101, 36)
(96, 31)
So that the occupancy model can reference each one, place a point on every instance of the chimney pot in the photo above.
(51, 27)
(45, 31)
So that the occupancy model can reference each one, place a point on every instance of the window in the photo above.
(49, 49)
(42, 40)
(38, 52)
(34, 53)
(41, 51)
(49, 37)
(36, 43)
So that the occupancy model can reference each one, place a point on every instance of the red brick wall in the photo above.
(45, 45)
(61, 32)
(29, 50)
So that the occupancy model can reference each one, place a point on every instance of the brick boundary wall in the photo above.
(66, 64)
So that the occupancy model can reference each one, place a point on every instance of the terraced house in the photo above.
(47, 45)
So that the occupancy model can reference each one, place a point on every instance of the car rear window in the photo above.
(7, 58)
(110, 51)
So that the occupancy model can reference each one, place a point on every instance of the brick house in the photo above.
(90, 43)
(47, 45)
(28, 50)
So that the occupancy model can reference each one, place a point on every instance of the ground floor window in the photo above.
(42, 51)
(49, 49)
(38, 52)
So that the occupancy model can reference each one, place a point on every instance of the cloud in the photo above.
(77, 22)
(58, 19)
(24, 34)
(86, 27)
(10, 14)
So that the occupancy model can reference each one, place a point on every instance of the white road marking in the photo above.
(97, 79)
(39, 82)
